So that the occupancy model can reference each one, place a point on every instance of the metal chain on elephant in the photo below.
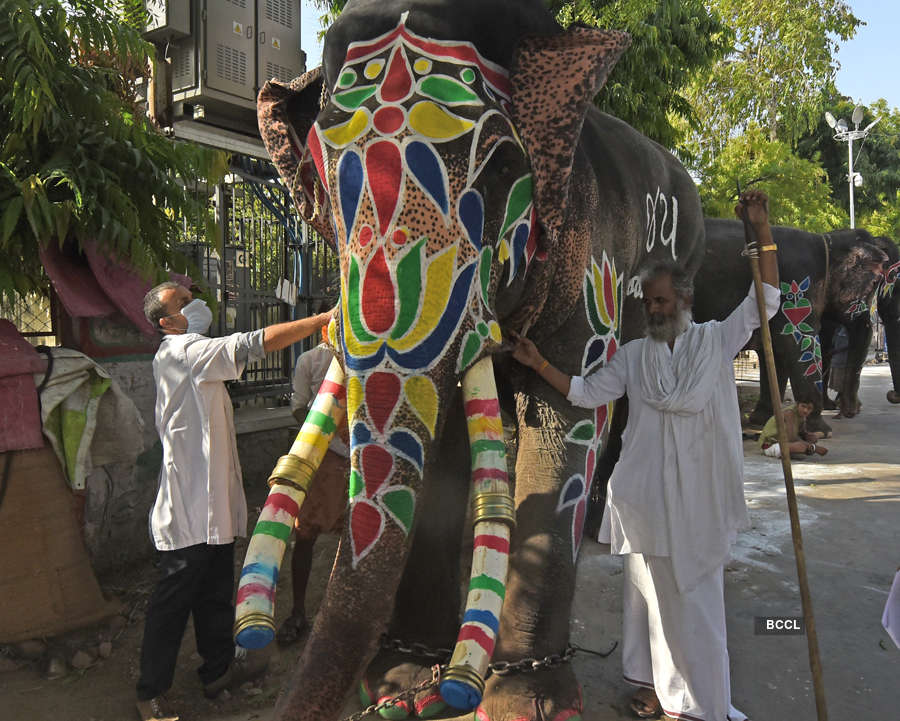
(403, 695)
(501, 668)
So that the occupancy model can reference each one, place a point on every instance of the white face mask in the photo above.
(198, 315)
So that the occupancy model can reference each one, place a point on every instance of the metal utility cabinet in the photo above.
(222, 51)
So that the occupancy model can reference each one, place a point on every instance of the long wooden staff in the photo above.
(815, 664)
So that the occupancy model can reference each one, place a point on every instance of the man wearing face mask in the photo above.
(200, 506)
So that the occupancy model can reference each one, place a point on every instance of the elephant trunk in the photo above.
(360, 596)
(892, 336)
(254, 625)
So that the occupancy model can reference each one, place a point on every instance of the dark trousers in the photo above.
(198, 581)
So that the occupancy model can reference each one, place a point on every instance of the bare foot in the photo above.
(645, 703)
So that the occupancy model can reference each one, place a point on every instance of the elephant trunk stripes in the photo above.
(494, 516)
(254, 625)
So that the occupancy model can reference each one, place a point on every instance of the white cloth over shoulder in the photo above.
(677, 489)
(200, 498)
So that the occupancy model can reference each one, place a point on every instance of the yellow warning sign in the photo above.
(237, 27)
(276, 43)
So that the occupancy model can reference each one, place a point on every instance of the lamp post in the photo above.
(842, 132)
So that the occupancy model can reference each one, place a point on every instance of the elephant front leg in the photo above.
(551, 499)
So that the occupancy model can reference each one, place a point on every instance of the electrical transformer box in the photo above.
(234, 47)
(167, 19)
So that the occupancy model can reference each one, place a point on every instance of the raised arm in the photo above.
(281, 335)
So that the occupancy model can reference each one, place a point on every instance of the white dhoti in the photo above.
(674, 642)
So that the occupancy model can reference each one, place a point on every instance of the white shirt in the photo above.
(692, 504)
(311, 369)
(200, 498)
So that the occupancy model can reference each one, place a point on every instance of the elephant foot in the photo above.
(893, 397)
(391, 674)
(816, 423)
(757, 419)
(547, 695)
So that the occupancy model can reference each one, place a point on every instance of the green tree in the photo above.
(877, 158)
(784, 59)
(885, 219)
(798, 190)
(673, 41)
(79, 161)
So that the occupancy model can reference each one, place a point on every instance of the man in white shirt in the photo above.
(325, 504)
(675, 499)
(200, 506)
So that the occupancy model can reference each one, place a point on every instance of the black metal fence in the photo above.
(33, 318)
(261, 265)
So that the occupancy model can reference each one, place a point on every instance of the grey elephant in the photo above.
(826, 279)
(859, 335)
(452, 154)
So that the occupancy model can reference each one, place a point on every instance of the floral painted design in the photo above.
(418, 263)
(890, 279)
(796, 307)
(411, 142)
(857, 308)
(381, 442)
(602, 293)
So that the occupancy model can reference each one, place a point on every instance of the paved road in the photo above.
(849, 505)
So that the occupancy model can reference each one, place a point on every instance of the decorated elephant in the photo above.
(827, 280)
(452, 154)
(887, 302)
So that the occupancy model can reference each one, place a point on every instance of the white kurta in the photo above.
(200, 498)
(684, 501)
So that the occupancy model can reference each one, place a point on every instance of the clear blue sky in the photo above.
(870, 62)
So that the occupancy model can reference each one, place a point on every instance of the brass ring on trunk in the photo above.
(255, 618)
(293, 471)
(498, 507)
(465, 674)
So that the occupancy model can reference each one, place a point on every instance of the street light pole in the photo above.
(850, 178)
(842, 133)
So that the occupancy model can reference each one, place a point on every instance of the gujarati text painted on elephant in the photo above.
(657, 216)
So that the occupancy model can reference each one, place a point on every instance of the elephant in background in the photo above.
(860, 332)
(826, 279)
(452, 153)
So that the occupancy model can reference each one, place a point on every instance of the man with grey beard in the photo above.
(675, 500)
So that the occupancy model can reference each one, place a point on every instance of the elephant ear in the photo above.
(554, 81)
(286, 114)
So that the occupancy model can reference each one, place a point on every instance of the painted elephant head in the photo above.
(415, 169)
(443, 179)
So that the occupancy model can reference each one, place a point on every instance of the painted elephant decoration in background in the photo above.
(452, 153)
(826, 279)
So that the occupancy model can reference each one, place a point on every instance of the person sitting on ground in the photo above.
(800, 441)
